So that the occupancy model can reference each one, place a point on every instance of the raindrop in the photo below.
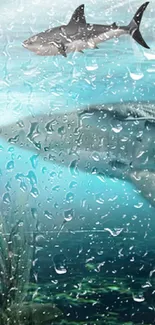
(115, 232)
(44, 170)
(69, 197)
(48, 215)
(117, 129)
(56, 188)
(34, 161)
(23, 186)
(99, 198)
(138, 299)
(34, 192)
(59, 264)
(91, 67)
(6, 198)
(61, 130)
(149, 56)
(139, 205)
(8, 186)
(72, 185)
(73, 168)
(10, 165)
(34, 213)
(32, 177)
(40, 239)
(68, 215)
(136, 76)
(95, 156)
(14, 139)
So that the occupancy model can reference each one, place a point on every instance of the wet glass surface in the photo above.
(77, 172)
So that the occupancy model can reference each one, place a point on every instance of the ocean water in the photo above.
(97, 266)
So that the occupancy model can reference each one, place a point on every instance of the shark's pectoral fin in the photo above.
(91, 44)
(145, 182)
(61, 48)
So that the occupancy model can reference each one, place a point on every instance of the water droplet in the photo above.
(44, 170)
(68, 215)
(34, 213)
(61, 130)
(32, 177)
(34, 161)
(138, 299)
(6, 198)
(69, 197)
(99, 198)
(14, 139)
(34, 192)
(92, 67)
(48, 215)
(8, 186)
(40, 239)
(117, 129)
(114, 232)
(10, 165)
(59, 264)
(56, 188)
(73, 168)
(95, 156)
(136, 76)
(23, 186)
(139, 205)
(149, 56)
(11, 149)
(53, 174)
(72, 185)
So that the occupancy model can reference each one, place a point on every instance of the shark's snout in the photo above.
(26, 43)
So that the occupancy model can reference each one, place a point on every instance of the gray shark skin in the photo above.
(117, 140)
(79, 35)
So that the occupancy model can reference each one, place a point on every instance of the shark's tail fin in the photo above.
(134, 26)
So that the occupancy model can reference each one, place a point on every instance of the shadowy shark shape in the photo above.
(78, 35)
(117, 140)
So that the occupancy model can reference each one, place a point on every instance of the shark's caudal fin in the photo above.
(134, 26)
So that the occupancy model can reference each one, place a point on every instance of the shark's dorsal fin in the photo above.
(78, 16)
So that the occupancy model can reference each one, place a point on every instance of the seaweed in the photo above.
(17, 247)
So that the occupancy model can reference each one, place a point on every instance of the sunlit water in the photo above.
(119, 70)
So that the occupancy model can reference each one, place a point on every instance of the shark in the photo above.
(116, 140)
(79, 35)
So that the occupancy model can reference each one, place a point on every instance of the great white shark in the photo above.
(79, 35)
(117, 140)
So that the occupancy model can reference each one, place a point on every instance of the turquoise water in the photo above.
(120, 70)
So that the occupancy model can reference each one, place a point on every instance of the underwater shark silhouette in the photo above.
(117, 140)
(78, 35)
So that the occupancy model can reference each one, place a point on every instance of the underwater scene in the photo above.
(77, 162)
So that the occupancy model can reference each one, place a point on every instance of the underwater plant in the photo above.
(17, 249)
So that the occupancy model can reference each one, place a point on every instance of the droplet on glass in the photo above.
(6, 198)
(10, 165)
